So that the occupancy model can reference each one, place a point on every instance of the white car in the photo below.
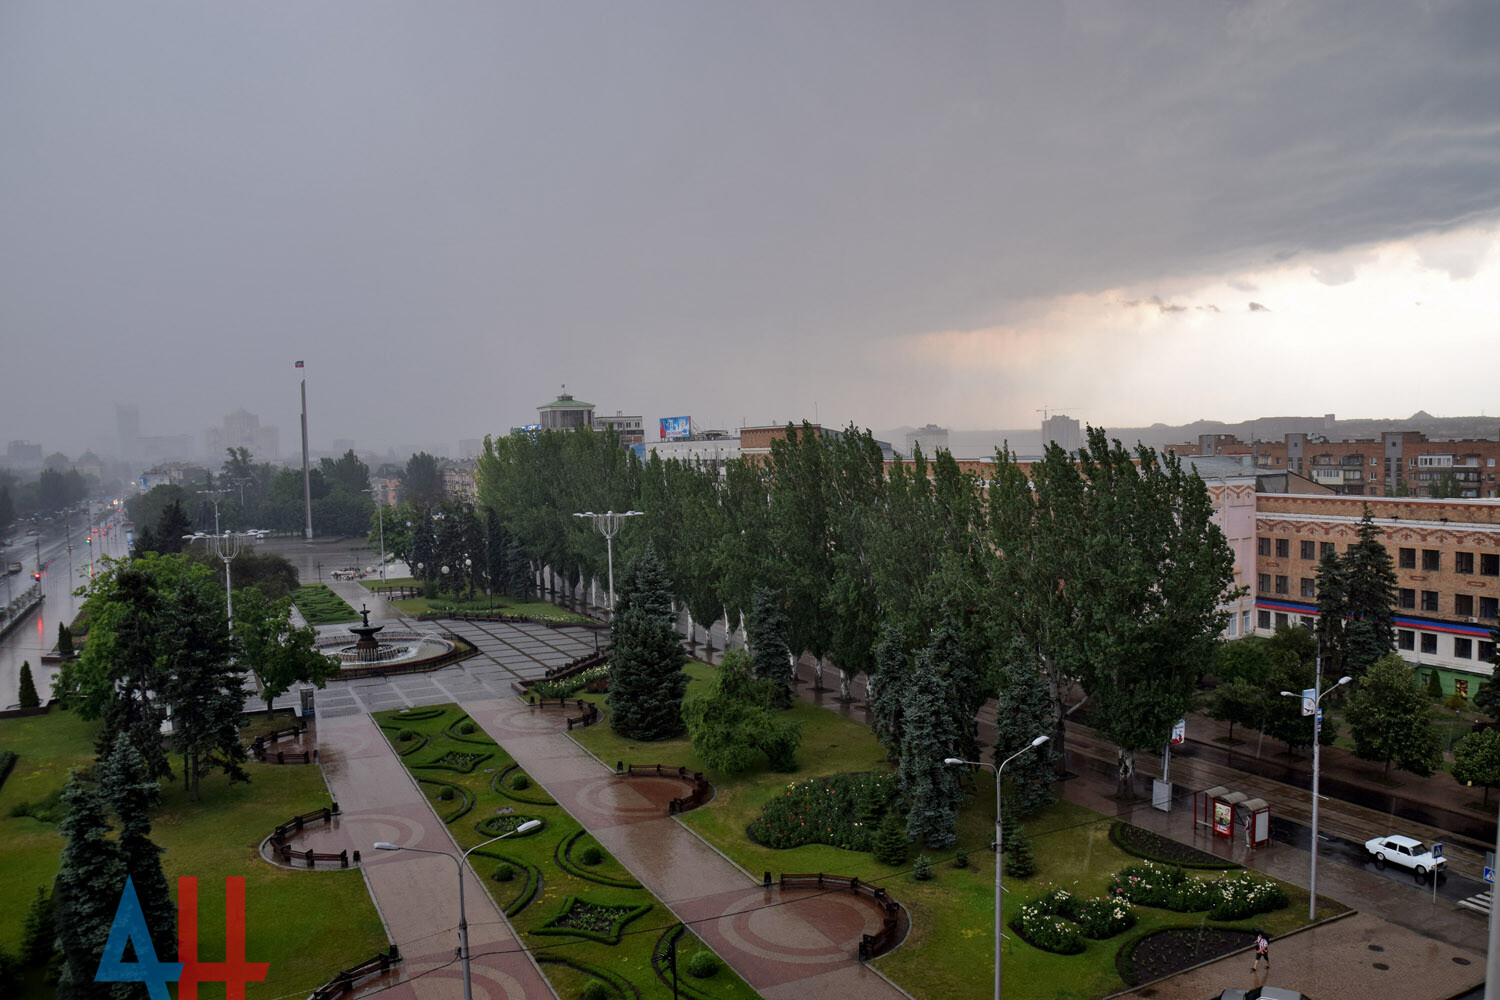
(1406, 852)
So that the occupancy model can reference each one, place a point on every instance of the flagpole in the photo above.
(306, 472)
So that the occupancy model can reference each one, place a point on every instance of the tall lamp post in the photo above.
(226, 547)
(999, 769)
(609, 524)
(463, 919)
(380, 519)
(1314, 706)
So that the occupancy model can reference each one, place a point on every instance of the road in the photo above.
(62, 573)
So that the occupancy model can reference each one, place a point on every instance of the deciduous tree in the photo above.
(1476, 760)
(738, 724)
(1388, 716)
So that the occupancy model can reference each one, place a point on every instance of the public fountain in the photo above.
(403, 648)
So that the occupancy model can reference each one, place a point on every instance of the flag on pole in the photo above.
(298, 365)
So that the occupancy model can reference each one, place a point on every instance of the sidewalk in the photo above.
(788, 947)
(417, 894)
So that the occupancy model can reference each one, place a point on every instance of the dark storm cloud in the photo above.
(449, 209)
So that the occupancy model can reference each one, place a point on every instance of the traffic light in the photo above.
(37, 576)
(89, 540)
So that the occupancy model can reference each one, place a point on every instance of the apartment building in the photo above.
(1447, 559)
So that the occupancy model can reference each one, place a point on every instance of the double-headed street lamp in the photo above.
(1314, 706)
(226, 547)
(999, 844)
(609, 524)
(458, 860)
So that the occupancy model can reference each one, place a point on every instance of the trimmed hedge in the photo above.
(1153, 846)
(563, 855)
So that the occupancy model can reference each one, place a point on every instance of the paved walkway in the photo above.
(787, 946)
(415, 892)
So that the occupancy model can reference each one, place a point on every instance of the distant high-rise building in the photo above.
(629, 429)
(243, 430)
(128, 428)
(1064, 430)
(929, 438)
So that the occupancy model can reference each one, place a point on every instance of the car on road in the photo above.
(1261, 993)
(1407, 852)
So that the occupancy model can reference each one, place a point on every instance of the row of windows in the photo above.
(1406, 558)
(1406, 639)
(1407, 598)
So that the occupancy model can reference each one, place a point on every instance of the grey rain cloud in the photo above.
(1256, 307)
(716, 209)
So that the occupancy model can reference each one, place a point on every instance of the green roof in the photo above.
(566, 402)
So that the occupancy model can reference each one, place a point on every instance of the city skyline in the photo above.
(955, 214)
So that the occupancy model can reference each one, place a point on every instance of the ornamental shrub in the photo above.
(1020, 860)
(520, 783)
(1042, 924)
(832, 810)
(1169, 887)
(504, 873)
(1245, 896)
(594, 989)
(446, 793)
(466, 729)
(1102, 918)
(406, 735)
(891, 845)
(922, 870)
(961, 859)
(703, 964)
(590, 855)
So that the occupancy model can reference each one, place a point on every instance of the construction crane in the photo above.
(1043, 410)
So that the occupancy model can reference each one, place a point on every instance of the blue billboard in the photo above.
(676, 427)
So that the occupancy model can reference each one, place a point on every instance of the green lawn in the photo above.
(321, 606)
(950, 948)
(537, 853)
(479, 603)
(288, 913)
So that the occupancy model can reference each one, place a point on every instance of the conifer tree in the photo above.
(64, 641)
(26, 692)
(1020, 861)
(38, 932)
(766, 630)
(132, 794)
(646, 658)
(86, 891)
(174, 524)
(145, 541)
(963, 688)
(891, 846)
(929, 786)
(1022, 713)
(890, 687)
(203, 686)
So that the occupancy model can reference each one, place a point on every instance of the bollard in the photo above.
(619, 767)
(335, 809)
(767, 882)
(356, 857)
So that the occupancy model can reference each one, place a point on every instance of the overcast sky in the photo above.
(880, 213)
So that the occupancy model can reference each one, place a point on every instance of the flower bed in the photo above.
(457, 760)
(598, 921)
(1059, 921)
(841, 810)
(1170, 951)
(1153, 846)
(495, 826)
(1169, 887)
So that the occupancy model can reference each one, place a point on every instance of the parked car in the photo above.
(1261, 993)
(1407, 852)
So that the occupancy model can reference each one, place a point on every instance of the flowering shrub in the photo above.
(840, 810)
(1102, 918)
(1042, 925)
(1245, 896)
(1171, 888)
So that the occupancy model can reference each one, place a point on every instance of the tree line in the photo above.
(1103, 569)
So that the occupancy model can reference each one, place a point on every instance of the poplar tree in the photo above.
(646, 658)
(132, 794)
(86, 891)
(496, 546)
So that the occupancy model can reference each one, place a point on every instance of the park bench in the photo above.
(870, 945)
(700, 794)
(348, 979)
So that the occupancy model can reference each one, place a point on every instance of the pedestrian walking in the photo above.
(1247, 829)
(1262, 951)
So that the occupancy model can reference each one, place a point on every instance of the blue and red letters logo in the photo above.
(130, 926)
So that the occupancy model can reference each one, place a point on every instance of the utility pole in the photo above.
(306, 471)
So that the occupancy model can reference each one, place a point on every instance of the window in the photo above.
(1305, 622)
(1432, 560)
(1326, 549)
(1263, 582)
(1489, 607)
(1408, 598)
(1308, 589)
(1406, 639)
(1282, 585)
(1429, 643)
(1486, 650)
(1463, 649)
(1280, 620)
(1463, 562)
(1307, 550)
(1244, 623)
(1489, 564)
(1463, 604)
(1263, 547)
(1283, 548)
(1429, 600)
(1263, 619)
(1406, 559)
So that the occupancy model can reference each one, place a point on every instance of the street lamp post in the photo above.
(380, 519)
(609, 524)
(463, 919)
(1317, 705)
(999, 769)
(226, 547)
